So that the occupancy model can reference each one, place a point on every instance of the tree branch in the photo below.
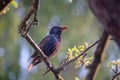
(33, 9)
(23, 29)
(47, 62)
(98, 56)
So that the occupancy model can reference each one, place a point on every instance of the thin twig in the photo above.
(116, 72)
(114, 77)
(46, 72)
(113, 70)
(116, 67)
(33, 9)
(74, 59)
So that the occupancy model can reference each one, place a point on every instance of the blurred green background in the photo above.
(83, 27)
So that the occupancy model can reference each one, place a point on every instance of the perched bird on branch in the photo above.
(49, 45)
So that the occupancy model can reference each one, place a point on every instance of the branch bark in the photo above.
(98, 56)
(47, 62)
(33, 9)
(23, 29)
(107, 12)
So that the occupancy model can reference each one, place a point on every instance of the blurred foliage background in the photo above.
(83, 27)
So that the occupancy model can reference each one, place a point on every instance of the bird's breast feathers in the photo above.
(56, 48)
(50, 45)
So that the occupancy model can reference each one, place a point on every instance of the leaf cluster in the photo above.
(115, 66)
(75, 51)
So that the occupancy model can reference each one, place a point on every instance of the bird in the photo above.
(49, 45)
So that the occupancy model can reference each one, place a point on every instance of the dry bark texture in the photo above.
(108, 12)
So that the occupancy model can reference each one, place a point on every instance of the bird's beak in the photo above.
(63, 28)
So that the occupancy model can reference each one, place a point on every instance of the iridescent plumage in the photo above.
(49, 45)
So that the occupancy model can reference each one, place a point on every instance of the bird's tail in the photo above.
(36, 60)
(31, 56)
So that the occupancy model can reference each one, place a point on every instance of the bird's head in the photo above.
(57, 30)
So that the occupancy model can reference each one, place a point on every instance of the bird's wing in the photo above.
(41, 44)
(44, 41)
(55, 49)
(48, 45)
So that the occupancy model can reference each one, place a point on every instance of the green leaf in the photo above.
(69, 51)
(14, 3)
(87, 63)
(85, 45)
(70, 1)
(77, 64)
(76, 78)
(82, 48)
(110, 65)
(74, 49)
(88, 59)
